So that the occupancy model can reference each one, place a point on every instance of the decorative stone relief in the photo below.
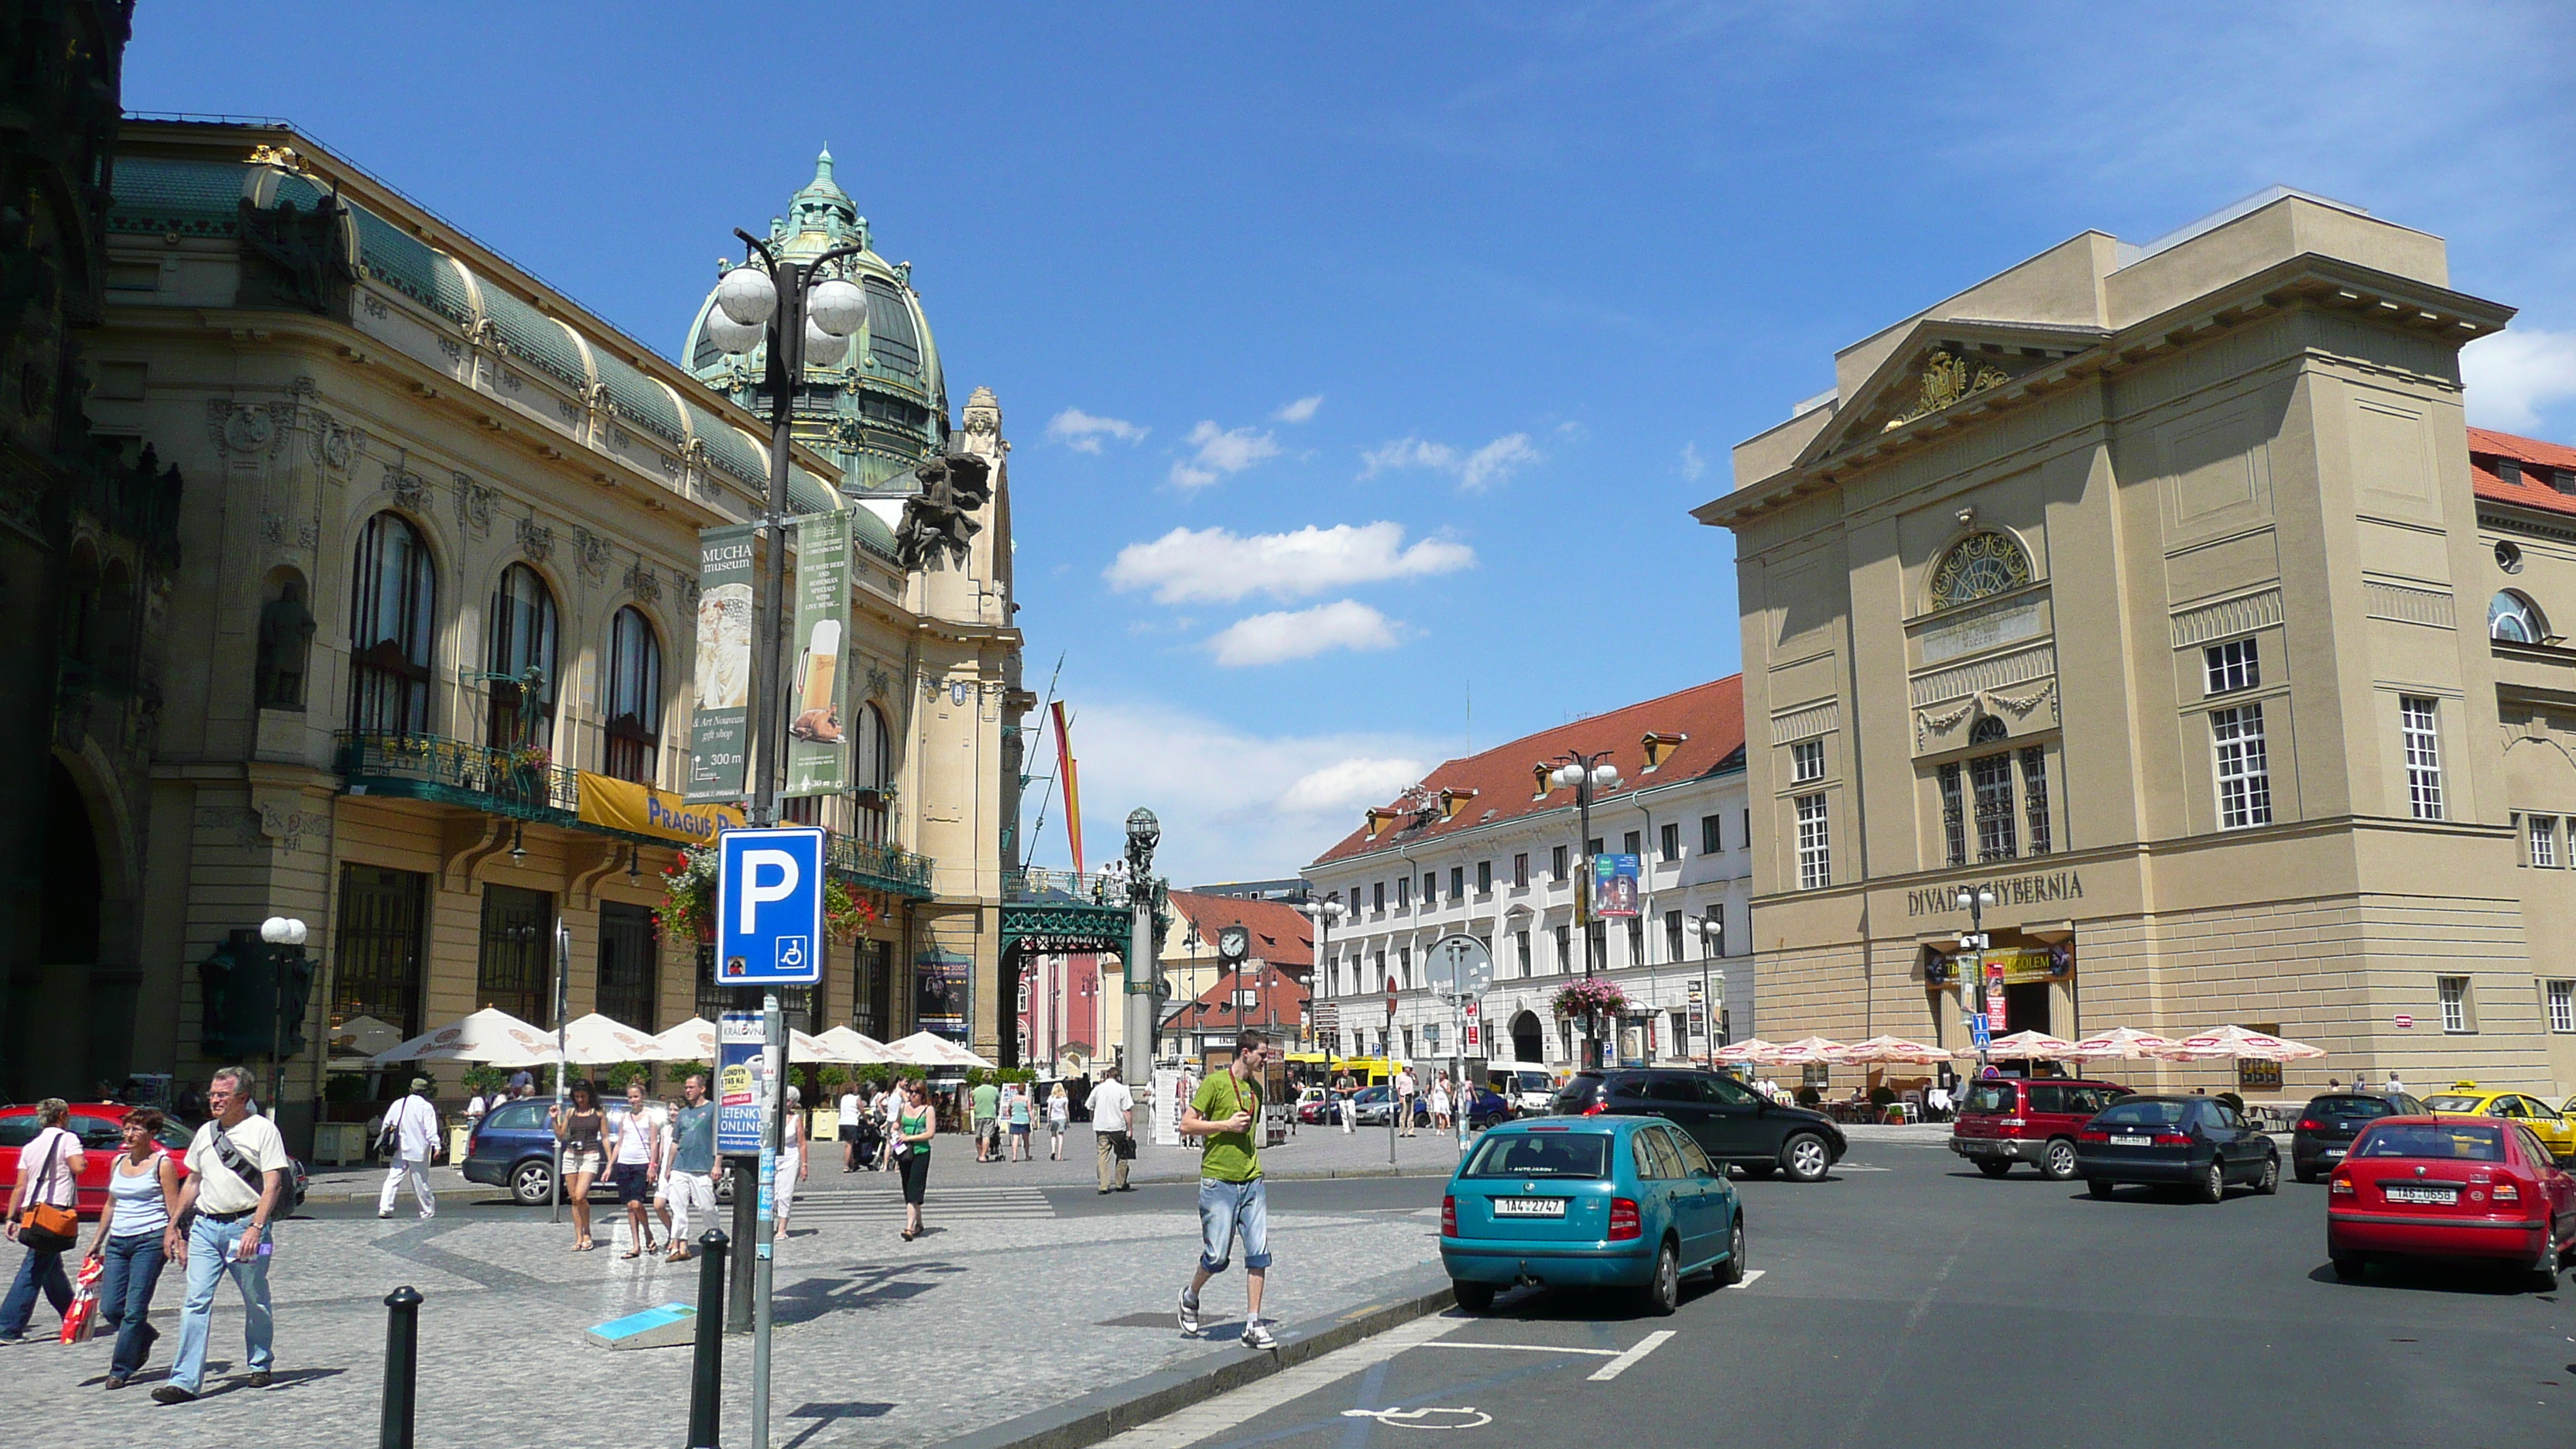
(410, 490)
(536, 540)
(643, 582)
(686, 586)
(591, 552)
(880, 683)
(509, 380)
(571, 412)
(286, 825)
(232, 824)
(454, 349)
(247, 428)
(375, 306)
(473, 505)
(281, 531)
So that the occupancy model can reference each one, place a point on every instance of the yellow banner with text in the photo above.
(616, 804)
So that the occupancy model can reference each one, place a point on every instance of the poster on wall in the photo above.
(818, 754)
(742, 1075)
(719, 723)
(939, 992)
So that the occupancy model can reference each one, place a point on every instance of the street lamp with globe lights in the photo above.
(1974, 900)
(288, 933)
(1325, 912)
(1711, 935)
(1586, 774)
(1144, 832)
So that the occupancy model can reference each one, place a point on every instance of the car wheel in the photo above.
(1664, 1290)
(1473, 1297)
(2097, 1187)
(2213, 1184)
(2544, 1270)
(2350, 1267)
(1731, 1272)
(532, 1182)
(1805, 1158)
(2270, 1182)
(2057, 1161)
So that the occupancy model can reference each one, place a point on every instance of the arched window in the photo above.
(523, 648)
(874, 774)
(2513, 619)
(1977, 566)
(396, 609)
(634, 697)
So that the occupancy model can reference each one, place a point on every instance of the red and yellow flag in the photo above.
(1072, 793)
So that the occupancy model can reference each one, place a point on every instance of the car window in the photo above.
(1629, 1087)
(2047, 1098)
(514, 1116)
(1540, 1154)
(2222, 1118)
(2533, 1152)
(1993, 1099)
(1655, 1156)
(18, 1131)
(2507, 1107)
(2364, 1107)
(96, 1131)
(2085, 1101)
(1673, 1089)
(1726, 1091)
(1694, 1161)
(2452, 1104)
(2144, 1112)
(2449, 1141)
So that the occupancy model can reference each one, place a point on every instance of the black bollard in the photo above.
(706, 1374)
(402, 1366)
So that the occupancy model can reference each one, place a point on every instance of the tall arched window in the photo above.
(874, 774)
(1976, 566)
(634, 697)
(395, 613)
(523, 648)
(2514, 619)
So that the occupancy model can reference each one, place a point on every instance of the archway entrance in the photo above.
(1528, 1042)
(50, 1025)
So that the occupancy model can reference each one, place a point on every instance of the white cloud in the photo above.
(1692, 464)
(1300, 410)
(1218, 565)
(1221, 451)
(2513, 376)
(1302, 633)
(1234, 805)
(1082, 432)
(1475, 472)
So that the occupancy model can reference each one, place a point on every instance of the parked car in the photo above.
(101, 1129)
(1731, 1122)
(2468, 1099)
(2328, 1124)
(2443, 1187)
(1596, 1202)
(1484, 1107)
(1531, 1089)
(2004, 1120)
(2196, 1142)
(514, 1148)
(1373, 1108)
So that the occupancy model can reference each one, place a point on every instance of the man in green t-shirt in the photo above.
(1226, 1111)
(986, 1102)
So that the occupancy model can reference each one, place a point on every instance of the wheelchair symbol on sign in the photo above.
(791, 953)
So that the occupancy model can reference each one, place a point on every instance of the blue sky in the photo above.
(1481, 295)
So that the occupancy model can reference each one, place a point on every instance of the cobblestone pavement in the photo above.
(1002, 1308)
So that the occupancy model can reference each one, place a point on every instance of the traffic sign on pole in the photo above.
(1458, 966)
(769, 906)
(1979, 1034)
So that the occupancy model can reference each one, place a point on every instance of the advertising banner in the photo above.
(740, 1087)
(615, 804)
(939, 992)
(818, 753)
(719, 725)
(1614, 886)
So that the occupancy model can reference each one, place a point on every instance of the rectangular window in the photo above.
(1717, 930)
(1806, 761)
(1990, 781)
(1597, 936)
(1672, 935)
(1382, 977)
(1484, 877)
(515, 966)
(1564, 949)
(2034, 797)
(1556, 862)
(2418, 721)
(2544, 841)
(2244, 769)
(1672, 842)
(1430, 890)
(1592, 846)
(1520, 944)
(1711, 840)
(1403, 891)
(2562, 1006)
(630, 963)
(2232, 666)
(1377, 897)
(1815, 846)
(1520, 869)
(1404, 967)
(1632, 843)
(1457, 881)
(1954, 818)
(2455, 1003)
(379, 946)
(1636, 941)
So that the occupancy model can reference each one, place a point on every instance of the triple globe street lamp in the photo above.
(1711, 935)
(1586, 774)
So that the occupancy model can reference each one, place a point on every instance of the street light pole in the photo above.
(1585, 773)
(1974, 901)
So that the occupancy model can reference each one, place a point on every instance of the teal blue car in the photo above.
(1589, 1202)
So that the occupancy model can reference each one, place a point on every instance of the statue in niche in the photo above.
(285, 648)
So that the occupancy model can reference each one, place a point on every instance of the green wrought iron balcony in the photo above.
(882, 867)
(522, 784)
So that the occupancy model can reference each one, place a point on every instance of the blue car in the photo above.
(1589, 1202)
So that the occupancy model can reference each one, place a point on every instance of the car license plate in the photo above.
(2437, 1196)
(2334, 1152)
(2125, 1140)
(1529, 1207)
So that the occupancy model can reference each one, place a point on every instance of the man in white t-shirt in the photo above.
(412, 1123)
(237, 1168)
(1111, 1105)
(852, 1107)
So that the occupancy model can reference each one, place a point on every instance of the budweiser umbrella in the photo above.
(2027, 1046)
(1888, 1049)
(595, 1040)
(490, 1035)
(1802, 1052)
(364, 1036)
(853, 1046)
(2226, 1042)
(2123, 1042)
(928, 1049)
(693, 1040)
(1748, 1050)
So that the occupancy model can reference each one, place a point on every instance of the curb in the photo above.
(1093, 1417)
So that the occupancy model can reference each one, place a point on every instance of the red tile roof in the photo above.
(1711, 715)
(2539, 462)
(1281, 934)
(1282, 999)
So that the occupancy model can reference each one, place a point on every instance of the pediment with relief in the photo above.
(1941, 365)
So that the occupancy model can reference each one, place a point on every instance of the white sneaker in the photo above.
(1189, 1315)
(1256, 1334)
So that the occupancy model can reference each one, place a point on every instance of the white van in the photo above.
(1530, 1090)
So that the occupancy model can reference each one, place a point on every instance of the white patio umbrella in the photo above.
(595, 1040)
(1748, 1050)
(364, 1036)
(2232, 1042)
(928, 1049)
(855, 1047)
(1882, 1050)
(2023, 1046)
(2122, 1043)
(1805, 1051)
(490, 1035)
(693, 1040)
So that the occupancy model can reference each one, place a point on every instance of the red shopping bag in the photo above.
(81, 1319)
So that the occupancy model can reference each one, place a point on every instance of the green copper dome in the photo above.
(882, 408)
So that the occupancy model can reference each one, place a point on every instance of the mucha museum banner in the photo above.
(718, 727)
(818, 755)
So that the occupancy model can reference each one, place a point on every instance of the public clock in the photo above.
(1233, 943)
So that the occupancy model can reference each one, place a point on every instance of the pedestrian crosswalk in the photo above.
(971, 1202)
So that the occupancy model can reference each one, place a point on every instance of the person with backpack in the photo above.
(237, 1167)
(44, 1218)
(410, 1143)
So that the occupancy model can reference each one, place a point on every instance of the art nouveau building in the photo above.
(2149, 586)
(1488, 846)
(432, 624)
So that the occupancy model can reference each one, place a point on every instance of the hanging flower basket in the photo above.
(688, 908)
(1584, 998)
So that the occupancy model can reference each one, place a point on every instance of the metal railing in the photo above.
(1038, 885)
(508, 782)
(878, 864)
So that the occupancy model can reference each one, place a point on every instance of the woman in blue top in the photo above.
(1018, 1110)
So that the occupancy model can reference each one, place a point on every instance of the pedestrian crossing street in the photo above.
(965, 1203)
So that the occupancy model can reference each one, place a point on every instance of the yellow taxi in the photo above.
(2468, 1099)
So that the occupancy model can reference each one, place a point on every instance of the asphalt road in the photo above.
(1344, 1194)
(1910, 1301)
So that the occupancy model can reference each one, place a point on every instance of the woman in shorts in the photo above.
(1059, 1112)
(636, 1136)
(582, 1132)
(1016, 1109)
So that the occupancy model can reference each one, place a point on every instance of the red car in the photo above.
(2004, 1120)
(100, 1128)
(2450, 1187)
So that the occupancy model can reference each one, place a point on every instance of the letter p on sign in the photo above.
(769, 906)
(767, 875)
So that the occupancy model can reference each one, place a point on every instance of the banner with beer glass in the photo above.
(718, 725)
(818, 754)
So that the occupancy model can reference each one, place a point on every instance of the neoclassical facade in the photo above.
(434, 616)
(1489, 846)
(2150, 586)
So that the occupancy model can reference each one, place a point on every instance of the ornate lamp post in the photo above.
(289, 933)
(1137, 1051)
(1710, 935)
(1974, 900)
(1586, 773)
(1324, 912)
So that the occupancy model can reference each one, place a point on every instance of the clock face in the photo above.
(1234, 943)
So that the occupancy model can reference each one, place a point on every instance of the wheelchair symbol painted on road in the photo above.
(1424, 1418)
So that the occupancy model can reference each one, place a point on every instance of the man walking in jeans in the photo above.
(1226, 1111)
(1111, 1146)
(236, 1172)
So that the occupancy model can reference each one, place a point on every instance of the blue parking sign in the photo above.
(769, 907)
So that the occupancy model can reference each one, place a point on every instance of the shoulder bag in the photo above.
(43, 1226)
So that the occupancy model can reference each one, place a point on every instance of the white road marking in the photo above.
(1227, 1411)
(1422, 1418)
(1530, 1348)
(1625, 1361)
(1752, 1276)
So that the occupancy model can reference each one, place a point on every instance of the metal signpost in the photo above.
(1394, 1099)
(769, 933)
(1459, 968)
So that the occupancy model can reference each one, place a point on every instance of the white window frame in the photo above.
(2419, 725)
(2542, 834)
(2560, 996)
(1806, 761)
(2243, 764)
(2454, 994)
(2231, 667)
(1815, 843)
